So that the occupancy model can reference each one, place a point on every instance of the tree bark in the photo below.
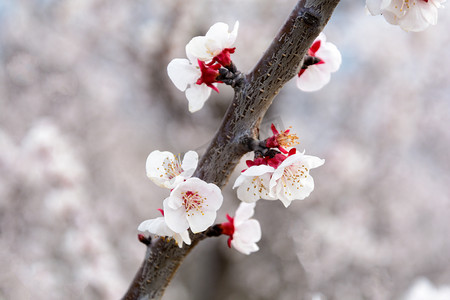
(252, 98)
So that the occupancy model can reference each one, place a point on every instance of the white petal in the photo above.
(373, 7)
(197, 47)
(182, 237)
(156, 226)
(418, 17)
(244, 247)
(244, 212)
(189, 164)
(330, 54)
(197, 96)
(175, 218)
(249, 231)
(258, 170)
(212, 193)
(200, 221)
(219, 34)
(313, 79)
(429, 12)
(312, 162)
(182, 73)
(390, 17)
(232, 36)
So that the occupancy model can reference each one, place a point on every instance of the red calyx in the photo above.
(228, 229)
(209, 74)
(256, 162)
(143, 239)
(223, 57)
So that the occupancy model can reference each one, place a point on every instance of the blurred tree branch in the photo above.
(252, 98)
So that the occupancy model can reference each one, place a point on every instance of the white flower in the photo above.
(217, 43)
(410, 15)
(195, 78)
(253, 183)
(423, 289)
(166, 170)
(159, 227)
(244, 232)
(318, 75)
(291, 180)
(193, 204)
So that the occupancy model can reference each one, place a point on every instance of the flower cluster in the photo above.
(278, 176)
(325, 59)
(192, 203)
(199, 74)
(410, 15)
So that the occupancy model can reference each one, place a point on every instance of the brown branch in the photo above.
(252, 98)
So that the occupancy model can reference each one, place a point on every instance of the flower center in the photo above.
(193, 201)
(406, 4)
(293, 176)
(285, 139)
(259, 186)
(172, 168)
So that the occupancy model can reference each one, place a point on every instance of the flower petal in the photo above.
(156, 226)
(218, 36)
(197, 47)
(175, 218)
(197, 96)
(313, 79)
(374, 7)
(182, 73)
(244, 212)
(232, 36)
(200, 221)
(330, 54)
(189, 164)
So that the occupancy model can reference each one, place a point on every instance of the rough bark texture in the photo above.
(278, 65)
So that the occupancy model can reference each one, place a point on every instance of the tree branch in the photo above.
(252, 98)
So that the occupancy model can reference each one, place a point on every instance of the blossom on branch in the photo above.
(313, 77)
(291, 180)
(410, 15)
(167, 170)
(215, 46)
(281, 140)
(194, 77)
(243, 232)
(253, 183)
(159, 227)
(192, 204)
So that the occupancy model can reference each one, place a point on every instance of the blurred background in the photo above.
(85, 97)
